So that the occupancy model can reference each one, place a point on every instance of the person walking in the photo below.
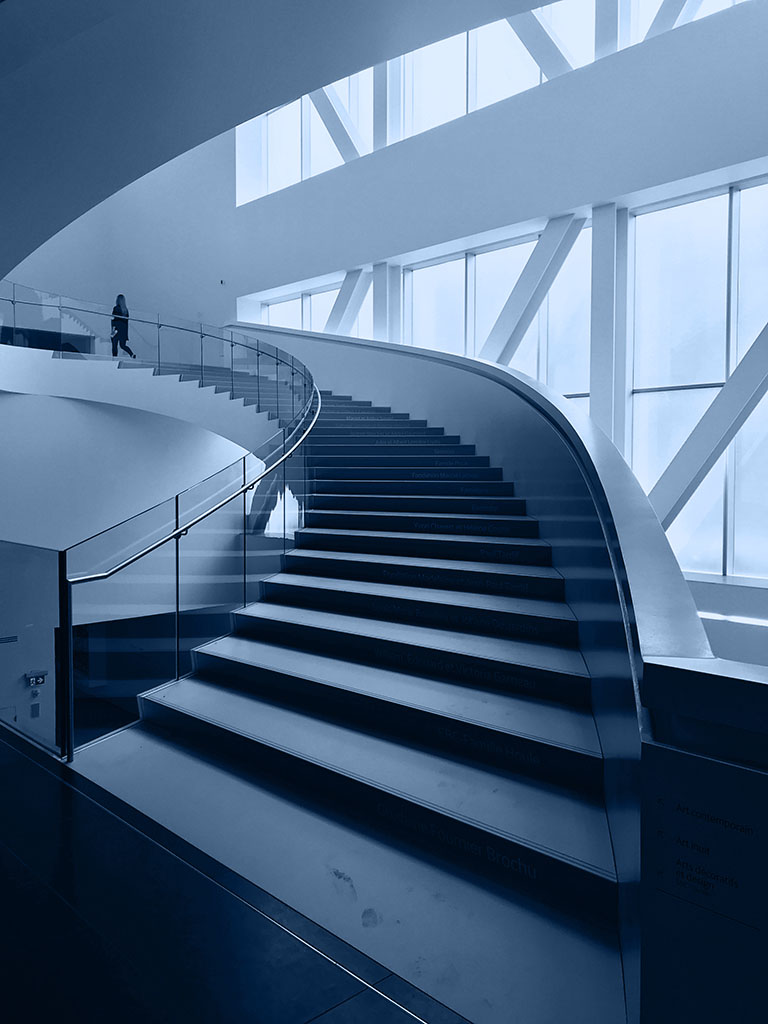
(120, 327)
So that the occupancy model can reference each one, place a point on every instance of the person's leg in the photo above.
(125, 347)
(113, 339)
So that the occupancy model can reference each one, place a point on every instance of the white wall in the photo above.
(87, 115)
(72, 468)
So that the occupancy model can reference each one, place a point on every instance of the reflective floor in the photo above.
(99, 922)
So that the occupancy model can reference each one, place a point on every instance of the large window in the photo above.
(435, 84)
(694, 263)
(438, 306)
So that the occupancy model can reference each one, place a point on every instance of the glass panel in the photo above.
(496, 274)
(661, 422)
(285, 314)
(29, 633)
(438, 307)
(323, 154)
(680, 294)
(268, 509)
(284, 146)
(180, 349)
(211, 564)
(436, 84)
(753, 266)
(124, 642)
(504, 66)
(696, 535)
(320, 306)
(526, 359)
(38, 321)
(643, 13)
(750, 556)
(217, 362)
(572, 24)
(363, 325)
(250, 141)
(356, 94)
(568, 311)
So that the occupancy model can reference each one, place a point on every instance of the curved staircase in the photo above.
(397, 740)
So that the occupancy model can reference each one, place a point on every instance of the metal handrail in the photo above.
(182, 530)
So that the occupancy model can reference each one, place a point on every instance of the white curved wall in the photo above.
(74, 468)
(93, 110)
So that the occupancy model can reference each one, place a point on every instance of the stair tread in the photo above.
(518, 652)
(538, 815)
(367, 513)
(498, 568)
(460, 538)
(423, 905)
(486, 602)
(511, 714)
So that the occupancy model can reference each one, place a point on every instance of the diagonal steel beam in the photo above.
(334, 116)
(672, 13)
(554, 244)
(351, 295)
(713, 433)
(538, 41)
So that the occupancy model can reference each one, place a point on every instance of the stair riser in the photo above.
(384, 446)
(416, 474)
(447, 488)
(439, 579)
(364, 417)
(426, 547)
(510, 864)
(371, 461)
(382, 503)
(465, 668)
(417, 727)
(562, 632)
(392, 523)
(376, 429)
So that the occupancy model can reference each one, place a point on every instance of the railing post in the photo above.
(13, 305)
(245, 538)
(258, 377)
(202, 361)
(178, 591)
(232, 361)
(159, 325)
(65, 680)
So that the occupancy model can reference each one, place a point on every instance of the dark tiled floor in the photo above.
(100, 923)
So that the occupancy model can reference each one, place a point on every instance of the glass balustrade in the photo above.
(91, 628)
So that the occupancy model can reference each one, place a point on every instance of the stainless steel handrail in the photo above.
(182, 530)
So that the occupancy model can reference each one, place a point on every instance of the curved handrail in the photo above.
(182, 530)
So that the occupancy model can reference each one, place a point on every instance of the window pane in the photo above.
(643, 13)
(504, 66)
(526, 359)
(436, 84)
(680, 294)
(712, 7)
(363, 325)
(496, 274)
(323, 154)
(696, 535)
(285, 314)
(249, 183)
(284, 147)
(320, 305)
(753, 265)
(568, 306)
(751, 512)
(661, 421)
(356, 94)
(438, 307)
(572, 23)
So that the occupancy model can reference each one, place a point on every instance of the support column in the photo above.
(607, 364)
(387, 311)
(351, 295)
(606, 27)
